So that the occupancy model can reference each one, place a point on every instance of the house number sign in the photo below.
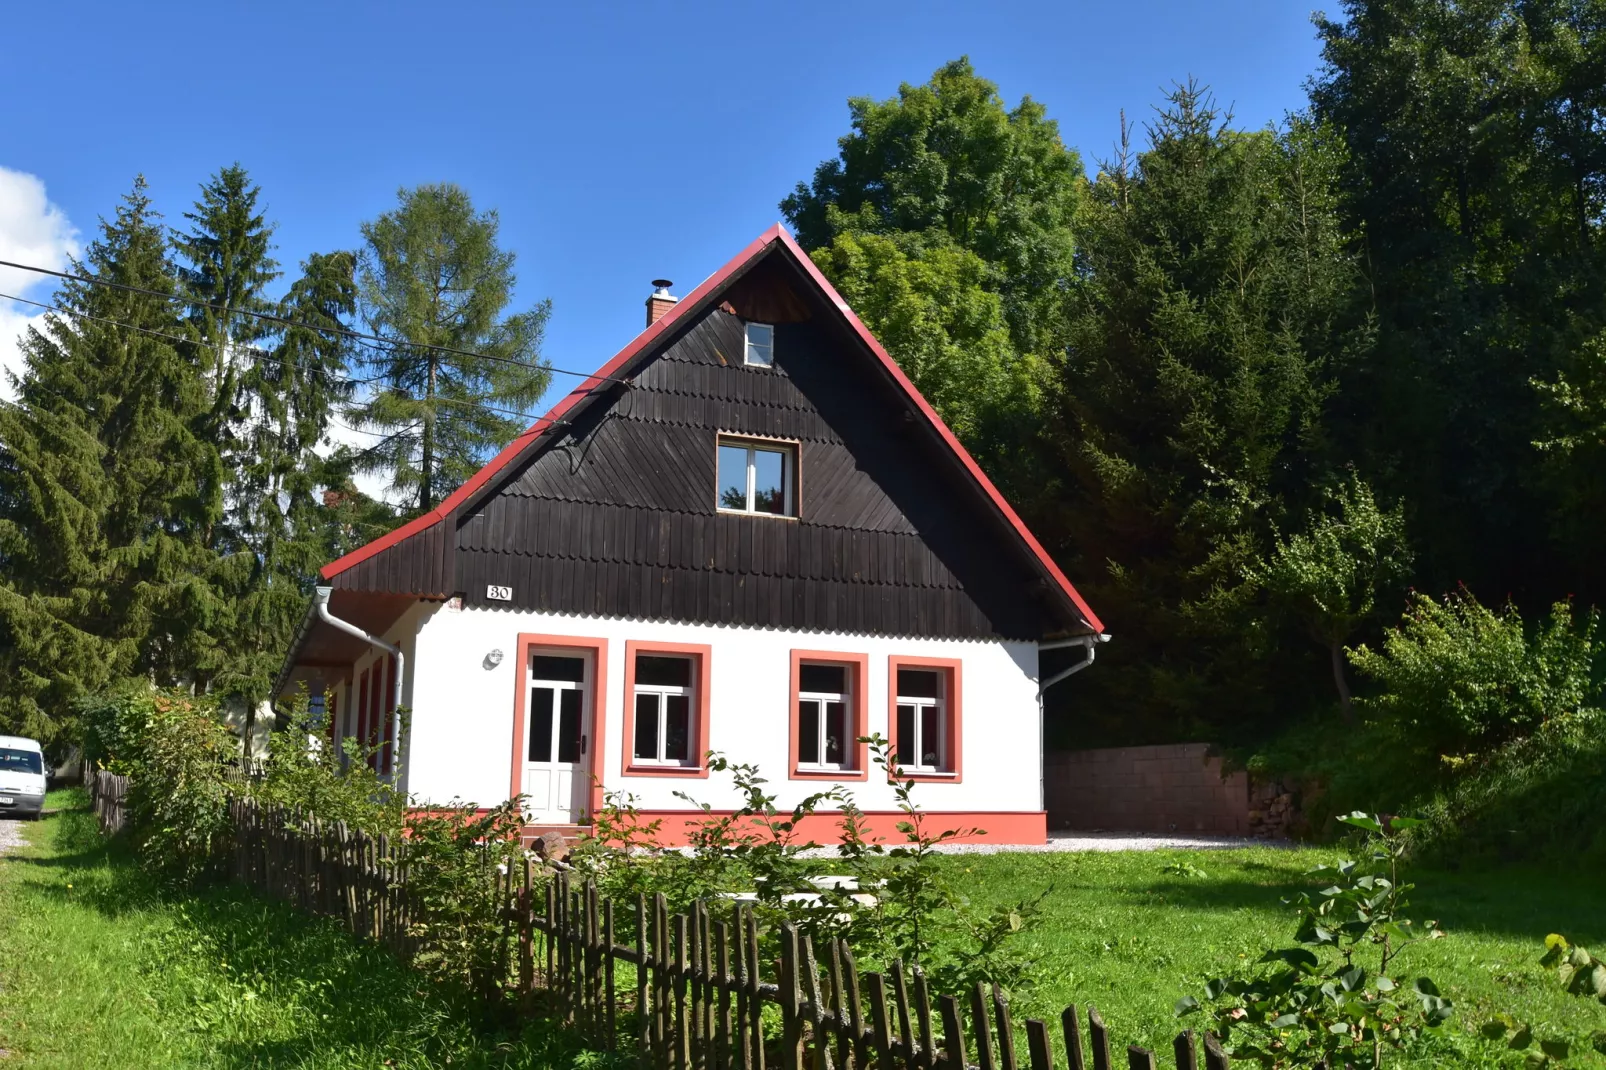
(499, 594)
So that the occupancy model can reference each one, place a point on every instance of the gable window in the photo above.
(925, 716)
(759, 349)
(756, 477)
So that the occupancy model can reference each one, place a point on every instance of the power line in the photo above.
(262, 354)
(342, 332)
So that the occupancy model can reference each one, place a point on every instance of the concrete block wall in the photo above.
(1168, 788)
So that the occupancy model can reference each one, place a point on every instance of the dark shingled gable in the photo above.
(612, 511)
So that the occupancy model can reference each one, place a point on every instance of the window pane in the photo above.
(808, 732)
(732, 477)
(917, 683)
(931, 737)
(836, 731)
(906, 735)
(543, 667)
(540, 724)
(677, 729)
(646, 726)
(20, 761)
(823, 679)
(760, 344)
(769, 481)
(569, 725)
(661, 671)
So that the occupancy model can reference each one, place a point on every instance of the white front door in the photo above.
(557, 729)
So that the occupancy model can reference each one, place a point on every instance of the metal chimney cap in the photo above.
(661, 287)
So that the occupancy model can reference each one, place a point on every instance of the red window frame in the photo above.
(701, 656)
(859, 710)
(953, 688)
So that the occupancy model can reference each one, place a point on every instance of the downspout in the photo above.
(322, 602)
(1089, 645)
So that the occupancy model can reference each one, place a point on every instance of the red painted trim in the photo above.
(362, 710)
(597, 650)
(387, 757)
(702, 657)
(954, 669)
(1017, 827)
(657, 330)
(859, 681)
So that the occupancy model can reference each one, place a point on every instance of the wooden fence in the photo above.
(685, 991)
(107, 793)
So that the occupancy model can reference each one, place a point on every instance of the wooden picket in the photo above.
(692, 993)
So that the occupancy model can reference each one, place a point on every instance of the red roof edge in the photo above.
(942, 430)
(665, 323)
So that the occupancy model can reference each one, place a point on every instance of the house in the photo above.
(747, 533)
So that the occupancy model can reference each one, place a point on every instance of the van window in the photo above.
(20, 761)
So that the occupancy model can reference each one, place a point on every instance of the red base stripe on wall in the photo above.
(1017, 827)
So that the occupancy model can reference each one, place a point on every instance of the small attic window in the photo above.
(760, 349)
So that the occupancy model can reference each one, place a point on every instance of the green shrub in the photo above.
(302, 771)
(1538, 798)
(454, 857)
(173, 748)
(1458, 680)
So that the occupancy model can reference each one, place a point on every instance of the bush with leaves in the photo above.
(920, 916)
(1580, 973)
(1461, 679)
(1335, 999)
(174, 748)
(303, 771)
(453, 857)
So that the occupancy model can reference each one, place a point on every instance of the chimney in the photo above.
(660, 302)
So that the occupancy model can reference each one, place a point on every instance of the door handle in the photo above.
(582, 743)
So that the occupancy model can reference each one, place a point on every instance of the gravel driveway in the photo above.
(11, 836)
(1096, 841)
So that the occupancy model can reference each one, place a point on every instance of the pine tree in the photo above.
(108, 493)
(1205, 337)
(433, 275)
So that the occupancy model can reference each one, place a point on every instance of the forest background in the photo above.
(1313, 413)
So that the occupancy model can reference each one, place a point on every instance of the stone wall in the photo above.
(1169, 788)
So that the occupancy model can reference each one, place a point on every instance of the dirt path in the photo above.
(11, 836)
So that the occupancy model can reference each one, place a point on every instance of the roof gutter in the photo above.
(1089, 645)
(321, 601)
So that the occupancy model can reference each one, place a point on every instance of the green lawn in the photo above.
(98, 971)
(1122, 934)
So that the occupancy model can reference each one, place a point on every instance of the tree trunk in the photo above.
(1346, 705)
(426, 492)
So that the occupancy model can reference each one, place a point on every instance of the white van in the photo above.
(22, 777)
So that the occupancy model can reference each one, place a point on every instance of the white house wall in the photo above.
(463, 709)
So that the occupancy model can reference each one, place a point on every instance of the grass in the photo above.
(1122, 933)
(99, 969)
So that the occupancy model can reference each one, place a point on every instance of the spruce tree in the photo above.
(108, 489)
(432, 274)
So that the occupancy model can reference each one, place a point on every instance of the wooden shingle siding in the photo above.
(615, 514)
(616, 517)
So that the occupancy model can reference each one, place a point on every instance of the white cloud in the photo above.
(32, 231)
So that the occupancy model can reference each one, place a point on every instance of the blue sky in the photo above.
(618, 142)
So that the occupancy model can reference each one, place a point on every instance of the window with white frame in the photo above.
(663, 702)
(922, 704)
(759, 348)
(824, 720)
(756, 477)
